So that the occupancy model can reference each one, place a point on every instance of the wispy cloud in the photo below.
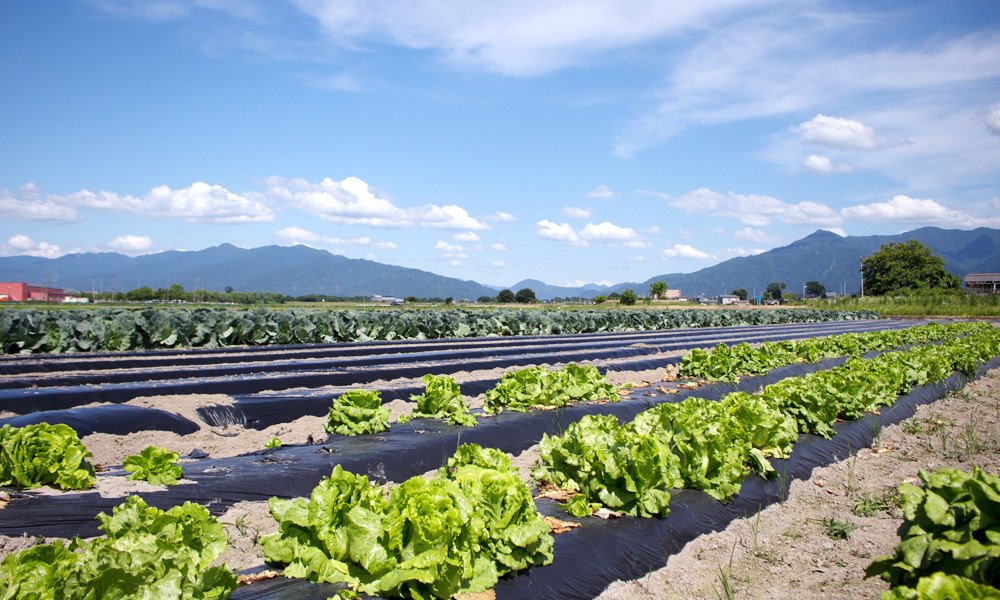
(27, 204)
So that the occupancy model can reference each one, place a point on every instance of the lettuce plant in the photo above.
(537, 387)
(144, 553)
(951, 525)
(158, 466)
(44, 454)
(609, 465)
(943, 587)
(430, 538)
(357, 412)
(442, 399)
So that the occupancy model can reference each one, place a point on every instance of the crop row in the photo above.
(711, 446)
(472, 522)
(27, 331)
(727, 363)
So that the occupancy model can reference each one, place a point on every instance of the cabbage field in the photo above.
(513, 460)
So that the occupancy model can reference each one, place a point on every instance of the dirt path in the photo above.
(819, 541)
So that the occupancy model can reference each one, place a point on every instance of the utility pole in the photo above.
(862, 278)
(112, 288)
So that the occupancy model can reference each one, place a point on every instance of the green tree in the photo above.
(773, 291)
(741, 292)
(907, 265)
(140, 294)
(484, 299)
(600, 299)
(505, 297)
(815, 288)
(449, 300)
(627, 298)
(657, 289)
(410, 299)
(525, 296)
(614, 296)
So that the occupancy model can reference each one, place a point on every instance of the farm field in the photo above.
(218, 410)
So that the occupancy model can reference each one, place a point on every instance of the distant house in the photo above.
(728, 299)
(982, 283)
(23, 292)
(671, 295)
(390, 300)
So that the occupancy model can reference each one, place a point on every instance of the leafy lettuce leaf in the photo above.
(44, 454)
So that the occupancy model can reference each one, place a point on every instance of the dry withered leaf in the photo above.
(255, 577)
(644, 384)
(557, 526)
(819, 482)
(673, 372)
(664, 390)
(557, 494)
(604, 513)
(487, 595)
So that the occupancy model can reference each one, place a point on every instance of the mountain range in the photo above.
(822, 256)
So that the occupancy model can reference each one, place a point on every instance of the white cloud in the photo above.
(822, 165)
(297, 235)
(756, 236)
(798, 62)
(637, 259)
(447, 217)
(467, 237)
(385, 246)
(755, 210)
(574, 283)
(903, 209)
(28, 205)
(613, 235)
(498, 264)
(601, 192)
(498, 247)
(199, 202)
(22, 245)
(519, 37)
(352, 202)
(701, 200)
(741, 251)
(684, 251)
(992, 121)
(456, 262)
(560, 232)
(837, 132)
(501, 217)
(131, 245)
(349, 201)
(575, 212)
(443, 246)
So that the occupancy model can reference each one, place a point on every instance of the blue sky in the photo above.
(567, 141)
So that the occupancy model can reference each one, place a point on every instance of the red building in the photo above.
(20, 292)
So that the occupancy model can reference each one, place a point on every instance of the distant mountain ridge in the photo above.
(821, 256)
(290, 270)
(834, 261)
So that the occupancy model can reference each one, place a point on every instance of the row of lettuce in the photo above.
(28, 331)
(475, 520)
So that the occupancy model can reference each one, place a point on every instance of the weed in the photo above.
(755, 530)
(875, 420)
(245, 529)
(727, 590)
(870, 505)
(850, 470)
(837, 530)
